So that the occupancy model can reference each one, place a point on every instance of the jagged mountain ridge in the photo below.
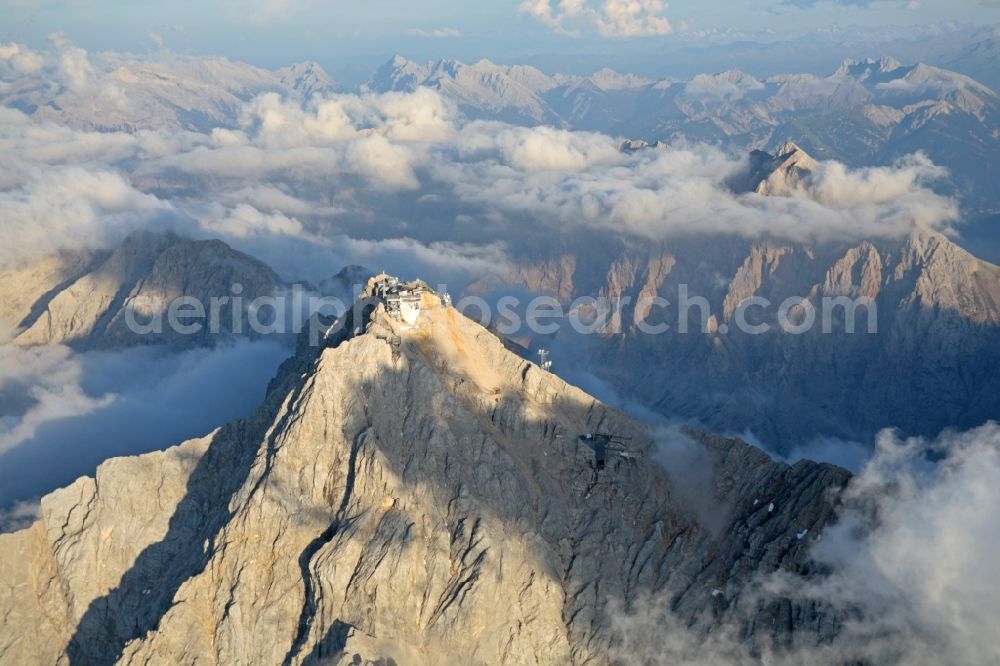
(929, 365)
(869, 111)
(81, 298)
(396, 490)
(182, 94)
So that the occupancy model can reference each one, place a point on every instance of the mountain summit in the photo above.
(779, 174)
(414, 492)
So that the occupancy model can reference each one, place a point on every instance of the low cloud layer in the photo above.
(63, 412)
(386, 167)
(916, 552)
(912, 561)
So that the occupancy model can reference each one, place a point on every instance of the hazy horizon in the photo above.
(654, 40)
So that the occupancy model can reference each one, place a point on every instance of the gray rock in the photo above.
(420, 495)
(929, 364)
(145, 274)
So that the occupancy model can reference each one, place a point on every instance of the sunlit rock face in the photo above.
(114, 299)
(921, 359)
(417, 493)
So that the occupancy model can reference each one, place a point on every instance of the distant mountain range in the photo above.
(931, 364)
(183, 94)
(867, 112)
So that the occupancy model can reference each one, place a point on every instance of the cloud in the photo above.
(911, 566)
(18, 516)
(692, 474)
(914, 553)
(19, 59)
(75, 70)
(834, 185)
(404, 166)
(71, 208)
(244, 220)
(51, 382)
(575, 180)
(65, 412)
(289, 173)
(436, 33)
(442, 256)
(548, 149)
(609, 18)
(379, 138)
(398, 165)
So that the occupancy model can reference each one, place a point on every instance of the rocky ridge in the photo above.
(81, 299)
(870, 111)
(414, 493)
(921, 359)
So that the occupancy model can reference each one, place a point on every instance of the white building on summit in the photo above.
(402, 300)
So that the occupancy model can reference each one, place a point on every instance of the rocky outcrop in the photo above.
(417, 494)
(27, 288)
(926, 363)
(115, 300)
(782, 173)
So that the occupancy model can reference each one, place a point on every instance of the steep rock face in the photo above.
(28, 288)
(929, 362)
(779, 174)
(144, 275)
(419, 494)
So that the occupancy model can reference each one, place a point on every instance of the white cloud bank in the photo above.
(913, 561)
(50, 379)
(609, 18)
(399, 165)
(917, 552)
(65, 412)
(18, 516)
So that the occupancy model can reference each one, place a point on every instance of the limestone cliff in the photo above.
(928, 363)
(81, 300)
(414, 493)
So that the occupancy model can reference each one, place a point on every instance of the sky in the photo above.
(351, 38)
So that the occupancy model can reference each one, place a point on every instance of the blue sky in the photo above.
(350, 38)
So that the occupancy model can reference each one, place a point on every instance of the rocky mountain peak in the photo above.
(780, 173)
(400, 484)
(399, 74)
(636, 145)
(86, 307)
(307, 78)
